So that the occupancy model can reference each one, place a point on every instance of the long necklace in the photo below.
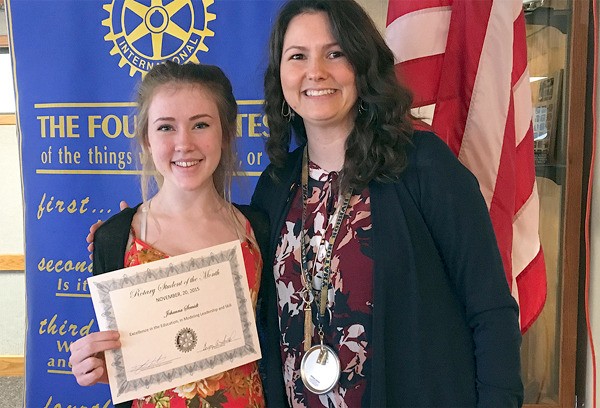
(320, 366)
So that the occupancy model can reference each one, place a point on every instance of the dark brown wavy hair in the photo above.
(375, 149)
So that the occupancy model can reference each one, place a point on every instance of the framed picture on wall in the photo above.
(546, 113)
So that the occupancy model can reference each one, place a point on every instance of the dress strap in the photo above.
(144, 220)
(248, 228)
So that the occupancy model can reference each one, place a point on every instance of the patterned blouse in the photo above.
(239, 387)
(350, 295)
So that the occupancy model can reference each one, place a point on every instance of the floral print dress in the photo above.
(239, 387)
(350, 295)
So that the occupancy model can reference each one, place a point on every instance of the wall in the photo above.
(12, 282)
(12, 301)
(377, 9)
(11, 205)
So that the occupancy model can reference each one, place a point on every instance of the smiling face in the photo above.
(317, 79)
(184, 136)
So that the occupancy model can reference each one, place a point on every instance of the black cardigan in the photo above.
(445, 326)
(110, 242)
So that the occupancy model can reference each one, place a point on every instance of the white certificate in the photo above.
(181, 319)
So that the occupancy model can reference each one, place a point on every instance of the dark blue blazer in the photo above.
(445, 326)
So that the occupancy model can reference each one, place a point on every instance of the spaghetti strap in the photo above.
(248, 228)
(144, 220)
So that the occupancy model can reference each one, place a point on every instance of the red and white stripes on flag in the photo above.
(469, 58)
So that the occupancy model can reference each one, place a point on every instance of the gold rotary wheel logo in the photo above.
(186, 339)
(147, 32)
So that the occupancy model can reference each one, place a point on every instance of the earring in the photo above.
(362, 107)
(286, 111)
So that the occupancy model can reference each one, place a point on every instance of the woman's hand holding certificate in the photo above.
(180, 319)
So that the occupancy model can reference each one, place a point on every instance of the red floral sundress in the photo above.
(239, 387)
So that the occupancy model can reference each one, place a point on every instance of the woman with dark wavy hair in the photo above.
(390, 289)
(375, 146)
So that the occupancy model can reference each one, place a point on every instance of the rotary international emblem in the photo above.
(146, 32)
(186, 340)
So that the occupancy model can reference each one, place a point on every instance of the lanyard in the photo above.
(309, 293)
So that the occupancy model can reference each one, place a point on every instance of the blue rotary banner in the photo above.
(76, 64)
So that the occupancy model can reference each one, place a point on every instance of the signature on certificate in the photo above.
(221, 342)
(151, 363)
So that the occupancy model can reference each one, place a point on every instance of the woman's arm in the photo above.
(458, 219)
(94, 227)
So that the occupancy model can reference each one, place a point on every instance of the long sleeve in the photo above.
(457, 217)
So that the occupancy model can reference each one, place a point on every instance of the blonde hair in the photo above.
(212, 80)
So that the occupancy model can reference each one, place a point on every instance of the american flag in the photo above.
(469, 58)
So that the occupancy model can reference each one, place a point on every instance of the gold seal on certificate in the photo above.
(181, 319)
(320, 369)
